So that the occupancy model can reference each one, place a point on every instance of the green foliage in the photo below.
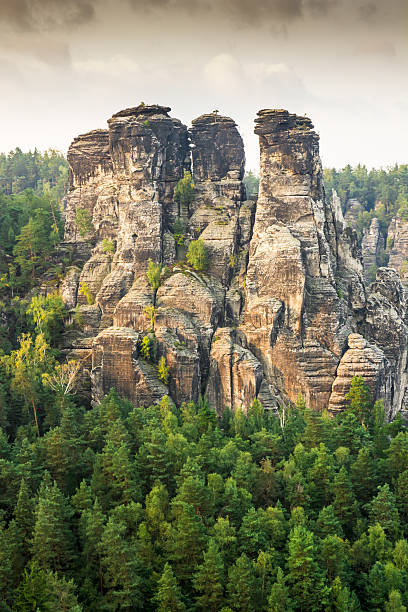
(163, 370)
(359, 398)
(197, 255)
(251, 182)
(146, 347)
(168, 596)
(150, 312)
(163, 507)
(48, 314)
(83, 221)
(42, 172)
(184, 191)
(154, 271)
(84, 290)
(108, 247)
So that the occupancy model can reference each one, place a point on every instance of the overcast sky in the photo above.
(67, 65)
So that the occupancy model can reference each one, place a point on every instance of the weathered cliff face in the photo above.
(368, 361)
(284, 289)
(372, 246)
(398, 247)
(294, 320)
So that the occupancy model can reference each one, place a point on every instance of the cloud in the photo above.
(376, 47)
(117, 66)
(44, 15)
(41, 48)
(368, 11)
(244, 12)
(223, 71)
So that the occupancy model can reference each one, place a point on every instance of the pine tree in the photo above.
(327, 523)
(53, 543)
(122, 567)
(209, 578)
(383, 510)
(362, 476)
(307, 586)
(344, 504)
(279, 598)
(186, 541)
(24, 516)
(359, 398)
(242, 585)
(394, 603)
(376, 587)
(34, 592)
(168, 596)
(341, 599)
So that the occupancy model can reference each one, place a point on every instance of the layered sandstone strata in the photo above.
(295, 320)
(284, 289)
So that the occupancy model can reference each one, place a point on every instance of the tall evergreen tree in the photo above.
(209, 579)
(168, 596)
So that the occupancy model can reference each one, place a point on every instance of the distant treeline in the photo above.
(41, 172)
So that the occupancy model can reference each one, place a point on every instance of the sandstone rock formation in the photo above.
(295, 322)
(284, 288)
(398, 247)
(372, 245)
(364, 360)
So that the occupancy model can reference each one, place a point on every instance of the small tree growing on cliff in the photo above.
(163, 370)
(197, 255)
(83, 221)
(108, 247)
(184, 191)
(84, 290)
(153, 274)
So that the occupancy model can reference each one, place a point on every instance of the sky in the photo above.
(67, 65)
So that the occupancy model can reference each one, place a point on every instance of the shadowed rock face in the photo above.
(284, 288)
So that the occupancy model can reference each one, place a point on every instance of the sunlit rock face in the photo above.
(398, 247)
(295, 321)
(283, 292)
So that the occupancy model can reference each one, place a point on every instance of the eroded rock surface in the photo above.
(372, 245)
(284, 288)
(366, 360)
(295, 322)
(398, 250)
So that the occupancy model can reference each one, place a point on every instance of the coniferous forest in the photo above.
(170, 508)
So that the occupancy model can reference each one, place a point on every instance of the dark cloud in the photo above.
(368, 11)
(43, 15)
(248, 13)
(245, 11)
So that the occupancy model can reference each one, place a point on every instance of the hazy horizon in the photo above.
(67, 66)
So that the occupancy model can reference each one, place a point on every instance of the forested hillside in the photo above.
(165, 508)
(383, 193)
(170, 508)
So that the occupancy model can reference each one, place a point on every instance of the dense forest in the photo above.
(168, 508)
